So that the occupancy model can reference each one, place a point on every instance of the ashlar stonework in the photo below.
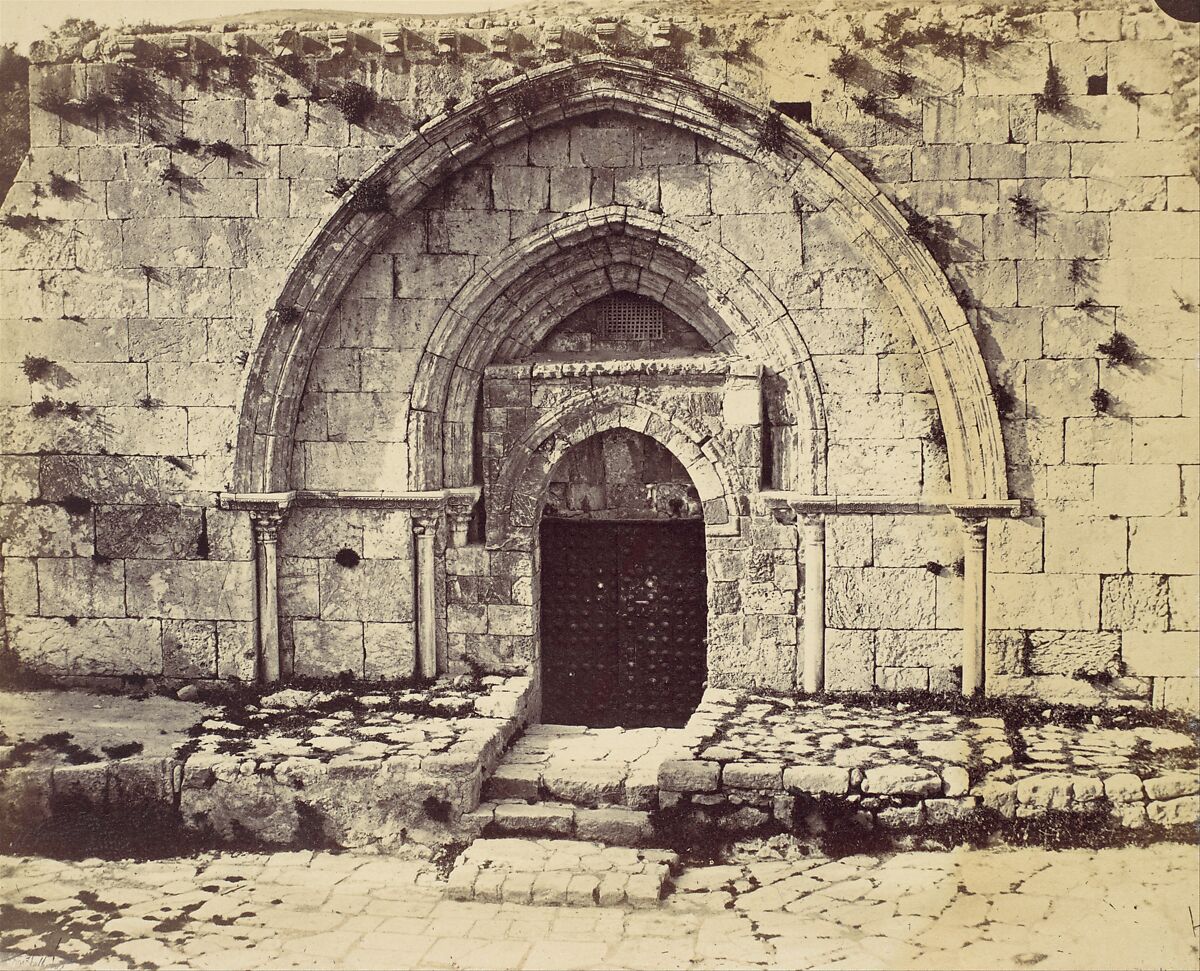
(287, 394)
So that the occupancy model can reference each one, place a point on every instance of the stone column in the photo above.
(974, 577)
(425, 533)
(266, 535)
(814, 602)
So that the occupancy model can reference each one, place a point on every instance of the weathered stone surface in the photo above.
(689, 776)
(901, 780)
(189, 648)
(616, 827)
(584, 783)
(520, 818)
(1175, 812)
(377, 590)
(1073, 651)
(78, 587)
(149, 532)
(752, 775)
(88, 646)
(1173, 786)
(871, 598)
(323, 648)
(816, 779)
(185, 590)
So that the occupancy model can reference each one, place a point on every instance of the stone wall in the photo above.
(621, 474)
(145, 241)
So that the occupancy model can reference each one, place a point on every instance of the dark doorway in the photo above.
(624, 622)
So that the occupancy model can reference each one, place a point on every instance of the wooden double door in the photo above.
(624, 622)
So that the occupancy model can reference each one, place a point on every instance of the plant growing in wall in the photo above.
(24, 221)
(869, 103)
(1005, 402)
(280, 98)
(288, 315)
(355, 101)
(1053, 96)
(339, 187)
(772, 133)
(1080, 271)
(1088, 305)
(61, 187)
(149, 403)
(903, 82)
(843, 65)
(1101, 401)
(936, 436)
(131, 88)
(37, 368)
(222, 149)
(1026, 210)
(1119, 350)
(189, 146)
(450, 104)
(370, 197)
(721, 109)
(347, 557)
(1128, 92)
(172, 175)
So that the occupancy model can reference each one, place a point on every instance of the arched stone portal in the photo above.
(799, 159)
(515, 297)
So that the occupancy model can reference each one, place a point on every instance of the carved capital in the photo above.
(266, 526)
(460, 507)
(425, 520)
(814, 527)
(974, 529)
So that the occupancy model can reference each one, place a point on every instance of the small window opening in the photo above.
(1098, 84)
(796, 110)
(631, 320)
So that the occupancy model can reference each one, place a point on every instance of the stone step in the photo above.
(560, 872)
(589, 784)
(614, 825)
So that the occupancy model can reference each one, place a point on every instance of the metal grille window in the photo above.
(624, 319)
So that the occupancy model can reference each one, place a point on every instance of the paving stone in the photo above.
(623, 827)
(901, 780)
(689, 776)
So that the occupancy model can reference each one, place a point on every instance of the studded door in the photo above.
(624, 621)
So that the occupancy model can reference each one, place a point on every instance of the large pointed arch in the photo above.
(336, 251)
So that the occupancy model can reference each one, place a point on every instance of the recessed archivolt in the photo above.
(805, 164)
(516, 299)
(518, 496)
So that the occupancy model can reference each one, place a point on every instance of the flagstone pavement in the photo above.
(994, 908)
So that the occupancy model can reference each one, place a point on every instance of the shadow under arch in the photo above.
(336, 251)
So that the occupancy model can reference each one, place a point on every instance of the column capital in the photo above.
(813, 521)
(266, 525)
(460, 507)
(425, 520)
(974, 529)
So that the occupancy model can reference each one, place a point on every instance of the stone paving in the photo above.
(401, 766)
(745, 760)
(998, 908)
